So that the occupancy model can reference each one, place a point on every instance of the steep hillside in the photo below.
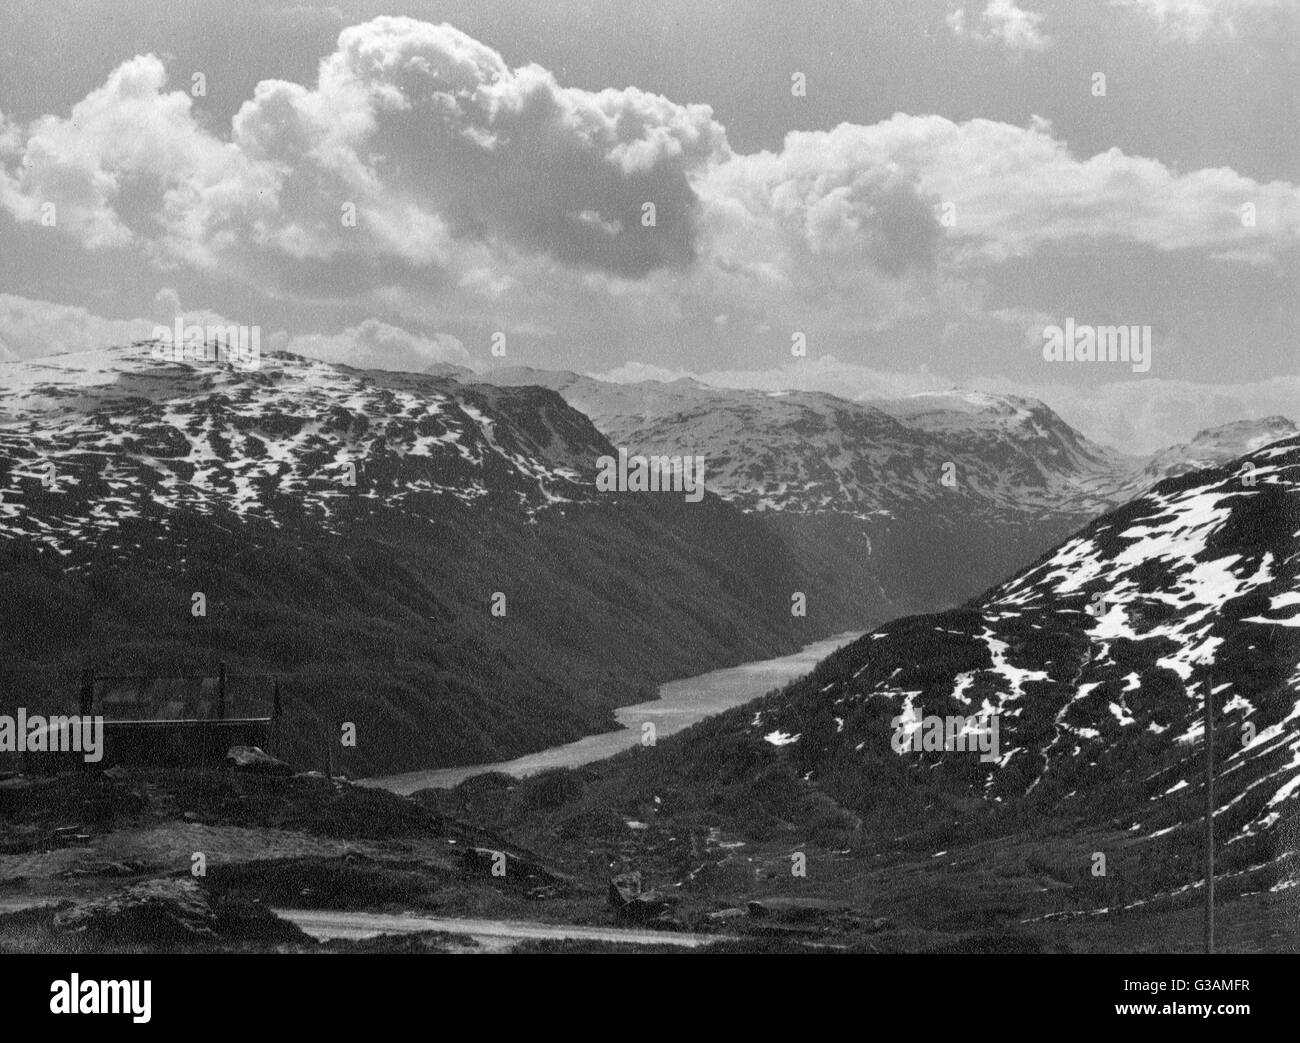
(1095, 662)
(896, 506)
(810, 452)
(351, 529)
(1210, 448)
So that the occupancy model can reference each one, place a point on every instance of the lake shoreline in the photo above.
(679, 705)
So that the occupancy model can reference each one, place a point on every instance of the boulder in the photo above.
(727, 915)
(633, 905)
(155, 911)
(624, 888)
(171, 911)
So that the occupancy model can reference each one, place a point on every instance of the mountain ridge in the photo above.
(356, 530)
(1095, 660)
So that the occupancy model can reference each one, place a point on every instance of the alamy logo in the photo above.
(75, 996)
(654, 474)
(935, 734)
(36, 734)
(239, 345)
(1098, 344)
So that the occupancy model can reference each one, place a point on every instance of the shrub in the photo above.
(548, 790)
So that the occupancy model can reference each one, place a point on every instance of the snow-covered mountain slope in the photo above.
(809, 452)
(128, 436)
(1096, 660)
(427, 558)
(1026, 455)
(893, 507)
(1210, 448)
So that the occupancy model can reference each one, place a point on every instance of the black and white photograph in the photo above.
(674, 477)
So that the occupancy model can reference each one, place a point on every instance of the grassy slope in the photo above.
(391, 628)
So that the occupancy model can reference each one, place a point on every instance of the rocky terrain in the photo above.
(428, 560)
(1096, 661)
(895, 505)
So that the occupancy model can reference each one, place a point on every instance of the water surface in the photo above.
(680, 704)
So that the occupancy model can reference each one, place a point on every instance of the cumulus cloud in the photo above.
(822, 207)
(435, 139)
(30, 328)
(128, 161)
(414, 137)
(1016, 190)
(377, 345)
(824, 373)
(423, 178)
(1002, 23)
(418, 145)
(1191, 20)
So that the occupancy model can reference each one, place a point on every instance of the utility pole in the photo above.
(1209, 815)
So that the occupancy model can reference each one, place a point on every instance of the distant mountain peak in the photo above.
(1099, 654)
(296, 434)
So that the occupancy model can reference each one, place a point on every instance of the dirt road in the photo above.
(492, 935)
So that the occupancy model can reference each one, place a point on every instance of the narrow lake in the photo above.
(680, 704)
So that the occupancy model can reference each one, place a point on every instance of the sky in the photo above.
(910, 191)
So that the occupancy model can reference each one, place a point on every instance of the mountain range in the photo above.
(896, 506)
(1096, 661)
(426, 559)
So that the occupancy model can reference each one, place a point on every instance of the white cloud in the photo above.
(1002, 23)
(1191, 20)
(1141, 416)
(494, 198)
(635, 372)
(32, 328)
(824, 373)
(442, 149)
(126, 154)
(1015, 190)
(426, 132)
(376, 345)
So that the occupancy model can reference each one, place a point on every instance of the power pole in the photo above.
(1209, 815)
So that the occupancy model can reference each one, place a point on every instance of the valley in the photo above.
(431, 560)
